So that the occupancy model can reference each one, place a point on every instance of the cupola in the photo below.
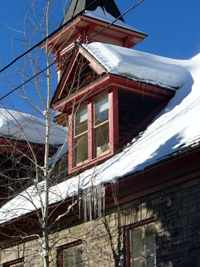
(104, 107)
(85, 22)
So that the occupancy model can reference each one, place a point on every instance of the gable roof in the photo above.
(22, 126)
(126, 63)
(138, 66)
(76, 6)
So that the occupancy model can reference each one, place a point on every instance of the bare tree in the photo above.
(23, 170)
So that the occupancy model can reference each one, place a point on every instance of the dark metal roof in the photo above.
(76, 6)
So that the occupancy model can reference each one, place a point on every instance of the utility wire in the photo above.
(49, 36)
(75, 47)
(115, 20)
(15, 89)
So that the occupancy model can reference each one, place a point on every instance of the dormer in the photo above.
(82, 21)
(106, 107)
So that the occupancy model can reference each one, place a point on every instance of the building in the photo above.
(22, 147)
(131, 194)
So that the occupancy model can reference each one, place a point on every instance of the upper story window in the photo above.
(71, 255)
(90, 134)
(101, 125)
(81, 135)
(105, 122)
(141, 246)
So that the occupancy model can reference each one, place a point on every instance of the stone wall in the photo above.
(176, 212)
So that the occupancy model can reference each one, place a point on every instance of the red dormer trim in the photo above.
(83, 27)
(111, 80)
(66, 100)
(109, 84)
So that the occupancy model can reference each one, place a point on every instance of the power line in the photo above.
(15, 89)
(49, 36)
(115, 20)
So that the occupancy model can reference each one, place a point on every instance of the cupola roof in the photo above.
(76, 6)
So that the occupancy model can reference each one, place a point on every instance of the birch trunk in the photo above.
(46, 172)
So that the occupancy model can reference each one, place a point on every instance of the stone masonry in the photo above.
(176, 212)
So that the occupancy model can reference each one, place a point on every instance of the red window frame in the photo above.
(61, 250)
(113, 123)
(97, 126)
(80, 135)
(142, 225)
(14, 263)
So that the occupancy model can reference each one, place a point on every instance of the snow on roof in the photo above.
(175, 128)
(21, 126)
(137, 65)
(103, 15)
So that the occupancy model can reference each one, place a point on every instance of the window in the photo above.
(141, 246)
(16, 263)
(81, 135)
(101, 125)
(71, 255)
(91, 131)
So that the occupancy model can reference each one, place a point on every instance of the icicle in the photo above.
(85, 208)
(99, 201)
(90, 206)
(104, 200)
(79, 206)
(94, 202)
(114, 191)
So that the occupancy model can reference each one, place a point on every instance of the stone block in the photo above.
(178, 223)
(131, 204)
(187, 211)
(194, 218)
(151, 196)
(171, 206)
(190, 183)
(182, 193)
(161, 200)
(195, 189)
(190, 200)
(170, 215)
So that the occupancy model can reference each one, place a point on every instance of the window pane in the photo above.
(150, 262)
(72, 257)
(138, 263)
(102, 139)
(78, 257)
(149, 240)
(68, 258)
(136, 243)
(101, 110)
(81, 121)
(81, 148)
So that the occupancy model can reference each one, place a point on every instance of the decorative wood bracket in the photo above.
(89, 31)
(127, 42)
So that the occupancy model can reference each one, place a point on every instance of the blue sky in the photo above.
(173, 28)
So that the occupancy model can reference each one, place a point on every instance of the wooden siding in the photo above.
(133, 109)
